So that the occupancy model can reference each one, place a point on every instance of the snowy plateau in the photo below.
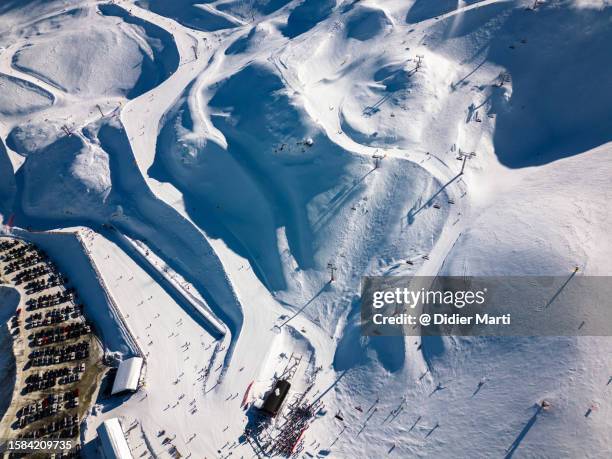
(201, 169)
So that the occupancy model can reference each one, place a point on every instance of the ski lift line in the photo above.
(291, 367)
(318, 399)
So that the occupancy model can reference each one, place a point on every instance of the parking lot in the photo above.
(58, 358)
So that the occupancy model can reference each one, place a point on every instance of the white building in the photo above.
(128, 376)
(112, 440)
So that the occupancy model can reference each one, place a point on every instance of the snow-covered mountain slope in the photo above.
(250, 144)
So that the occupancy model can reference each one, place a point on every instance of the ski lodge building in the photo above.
(112, 440)
(128, 376)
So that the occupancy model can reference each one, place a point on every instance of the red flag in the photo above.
(246, 394)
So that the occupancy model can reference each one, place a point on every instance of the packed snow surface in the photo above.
(204, 163)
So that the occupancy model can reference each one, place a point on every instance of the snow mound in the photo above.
(366, 23)
(422, 10)
(274, 170)
(257, 36)
(80, 184)
(395, 77)
(34, 136)
(248, 11)
(19, 97)
(505, 229)
(307, 15)
(195, 14)
(23, 11)
(102, 59)
(354, 350)
(557, 105)
(391, 101)
(522, 228)
(242, 44)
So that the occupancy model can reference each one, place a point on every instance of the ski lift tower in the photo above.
(419, 62)
(463, 155)
(332, 269)
(377, 159)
